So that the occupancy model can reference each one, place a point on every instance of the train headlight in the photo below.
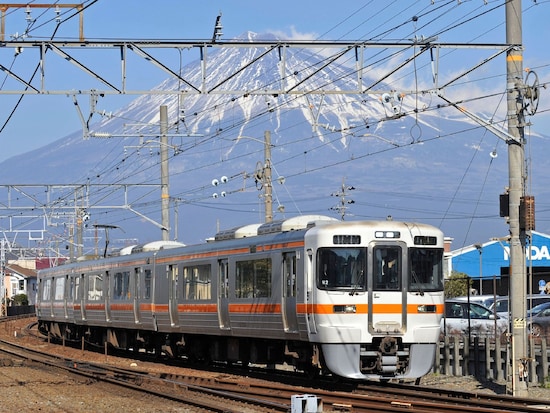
(350, 308)
(426, 308)
(387, 234)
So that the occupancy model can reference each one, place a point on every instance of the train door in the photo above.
(147, 313)
(66, 296)
(223, 294)
(81, 288)
(137, 295)
(310, 292)
(69, 296)
(108, 296)
(387, 289)
(58, 298)
(290, 321)
(173, 275)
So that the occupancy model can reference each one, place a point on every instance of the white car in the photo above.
(478, 321)
(485, 300)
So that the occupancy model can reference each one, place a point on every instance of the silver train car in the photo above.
(359, 300)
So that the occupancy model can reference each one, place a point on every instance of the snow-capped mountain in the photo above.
(413, 164)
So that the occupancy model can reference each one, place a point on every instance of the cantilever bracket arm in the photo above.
(147, 218)
(499, 133)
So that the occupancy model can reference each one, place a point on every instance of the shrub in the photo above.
(20, 299)
(457, 284)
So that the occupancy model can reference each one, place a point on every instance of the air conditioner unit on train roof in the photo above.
(238, 232)
(293, 224)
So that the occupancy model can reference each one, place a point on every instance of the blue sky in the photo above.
(39, 120)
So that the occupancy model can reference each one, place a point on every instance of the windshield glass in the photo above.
(426, 269)
(341, 268)
(387, 268)
(537, 309)
(477, 311)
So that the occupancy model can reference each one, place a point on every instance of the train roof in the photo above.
(150, 246)
(285, 225)
(253, 230)
(239, 237)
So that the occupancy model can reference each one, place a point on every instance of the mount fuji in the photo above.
(431, 166)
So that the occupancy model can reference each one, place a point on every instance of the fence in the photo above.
(20, 309)
(487, 359)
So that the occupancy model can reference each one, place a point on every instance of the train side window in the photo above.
(253, 278)
(121, 289)
(46, 289)
(147, 281)
(95, 287)
(223, 272)
(197, 280)
(70, 288)
(289, 270)
(77, 289)
(59, 289)
(172, 271)
(137, 285)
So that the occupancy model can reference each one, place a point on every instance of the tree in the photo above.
(457, 284)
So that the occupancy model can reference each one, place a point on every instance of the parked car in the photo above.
(502, 308)
(537, 309)
(538, 320)
(476, 320)
(485, 300)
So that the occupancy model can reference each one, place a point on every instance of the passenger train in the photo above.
(359, 300)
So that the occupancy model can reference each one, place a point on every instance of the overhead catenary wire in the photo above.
(114, 168)
(58, 24)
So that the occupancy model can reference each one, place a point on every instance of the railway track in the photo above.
(223, 392)
(203, 398)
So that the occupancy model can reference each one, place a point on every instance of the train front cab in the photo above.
(374, 308)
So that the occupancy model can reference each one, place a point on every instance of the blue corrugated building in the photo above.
(488, 264)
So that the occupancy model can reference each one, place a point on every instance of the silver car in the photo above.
(501, 305)
(477, 321)
(539, 320)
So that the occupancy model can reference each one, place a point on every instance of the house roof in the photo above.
(17, 269)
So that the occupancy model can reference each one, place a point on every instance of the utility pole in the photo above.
(343, 201)
(262, 175)
(516, 160)
(165, 197)
(267, 178)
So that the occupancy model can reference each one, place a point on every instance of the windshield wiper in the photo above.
(417, 281)
(358, 285)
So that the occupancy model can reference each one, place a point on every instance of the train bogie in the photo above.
(358, 300)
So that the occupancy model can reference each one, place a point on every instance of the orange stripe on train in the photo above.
(274, 308)
(363, 308)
